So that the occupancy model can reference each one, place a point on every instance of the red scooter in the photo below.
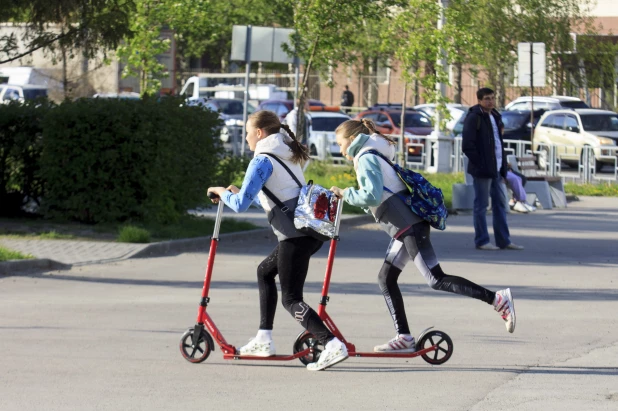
(196, 343)
(436, 347)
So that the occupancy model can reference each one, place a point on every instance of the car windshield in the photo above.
(326, 123)
(411, 120)
(574, 104)
(31, 94)
(600, 122)
(514, 119)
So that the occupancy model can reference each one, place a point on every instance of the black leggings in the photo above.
(415, 244)
(290, 259)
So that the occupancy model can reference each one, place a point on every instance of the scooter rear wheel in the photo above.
(442, 353)
(307, 340)
(201, 351)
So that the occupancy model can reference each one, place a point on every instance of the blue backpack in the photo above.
(424, 199)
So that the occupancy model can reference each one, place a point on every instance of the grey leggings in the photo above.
(415, 244)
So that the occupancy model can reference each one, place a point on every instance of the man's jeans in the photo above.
(483, 188)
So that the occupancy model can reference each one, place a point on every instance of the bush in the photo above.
(231, 170)
(20, 151)
(108, 160)
(132, 234)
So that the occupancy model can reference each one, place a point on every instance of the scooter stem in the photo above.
(331, 259)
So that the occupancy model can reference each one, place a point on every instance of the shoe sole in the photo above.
(510, 296)
(404, 350)
(336, 361)
(256, 355)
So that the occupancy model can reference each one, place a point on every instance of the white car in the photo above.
(455, 110)
(571, 130)
(322, 125)
(22, 92)
(546, 103)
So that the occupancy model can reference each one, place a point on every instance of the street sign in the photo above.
(266, 44)
(531, 61)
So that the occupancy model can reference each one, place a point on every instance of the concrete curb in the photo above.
(160, 249)
(28, 266)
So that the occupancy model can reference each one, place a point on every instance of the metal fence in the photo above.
(581, 164)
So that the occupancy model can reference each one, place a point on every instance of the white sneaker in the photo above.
(397, 344)
(488, 246)
(530, 207)
(257, 348)
(511, 203)
(503, 303)
(334, 352)
(520, 207)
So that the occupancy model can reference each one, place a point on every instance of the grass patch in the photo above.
(6, 255)
(328, 175)
(188, 227)
(54, 235)
(133, 234)
(595, 190)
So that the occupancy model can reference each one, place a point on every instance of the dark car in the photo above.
(517, 124)
(389, 122)
(283, 107)
(230, 111)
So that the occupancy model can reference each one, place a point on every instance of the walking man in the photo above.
(482, 144)
(347, 99)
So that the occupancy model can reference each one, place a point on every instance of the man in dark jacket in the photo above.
(482, 144)
(347, 99)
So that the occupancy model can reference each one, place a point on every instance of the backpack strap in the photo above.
(383, 157)
(284, 166)
(377, 153)
(286, 210)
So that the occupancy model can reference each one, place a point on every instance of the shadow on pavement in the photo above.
(357, 288)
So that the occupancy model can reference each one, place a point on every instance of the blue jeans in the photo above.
(483, 188)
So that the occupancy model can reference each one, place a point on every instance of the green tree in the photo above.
(140, 51)
(326, 32)
(88, 25)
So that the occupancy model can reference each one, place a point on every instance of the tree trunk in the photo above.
(458, 83)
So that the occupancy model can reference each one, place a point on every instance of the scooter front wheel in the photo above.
(444, 348)
(307, 340)
(201, 350)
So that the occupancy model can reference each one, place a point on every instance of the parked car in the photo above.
(283, 107)
(571, 130)
(389, 122)
(322, 124)
(456, 111)
(124, 95)
(230, 111)
(517, 124)
(546, 103)
(23, 92)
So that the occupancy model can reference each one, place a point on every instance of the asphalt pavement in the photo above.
(105, 336)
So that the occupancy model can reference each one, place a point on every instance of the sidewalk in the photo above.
(56, 254)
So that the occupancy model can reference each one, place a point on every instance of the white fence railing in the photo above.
(582, 164)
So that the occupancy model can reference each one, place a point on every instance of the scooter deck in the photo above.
(271, 358)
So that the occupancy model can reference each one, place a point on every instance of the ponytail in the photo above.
(300, 153)
(270, 122)
(352, 128)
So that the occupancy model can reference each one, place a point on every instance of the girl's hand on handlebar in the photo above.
(233, 189)
(337, 191)
(214, 193)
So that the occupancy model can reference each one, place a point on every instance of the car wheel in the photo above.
(313, 151)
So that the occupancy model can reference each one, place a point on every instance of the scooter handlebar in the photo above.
(212, 195)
